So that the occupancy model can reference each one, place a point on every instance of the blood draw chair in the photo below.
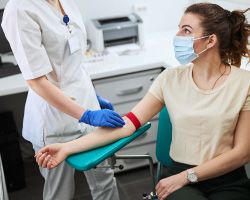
(90, 159)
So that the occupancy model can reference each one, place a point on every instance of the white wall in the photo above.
(229, 4)
(160, 14)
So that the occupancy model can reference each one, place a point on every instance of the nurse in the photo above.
(48, 39)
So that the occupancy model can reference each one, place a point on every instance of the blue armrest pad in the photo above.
(86, 160)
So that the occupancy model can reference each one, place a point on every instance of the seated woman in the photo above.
(209, 107)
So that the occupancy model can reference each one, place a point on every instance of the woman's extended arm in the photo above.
(222, 164)
(148, 107)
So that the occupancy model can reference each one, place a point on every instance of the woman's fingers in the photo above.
(45, 161)
(40, 158)
(163, 194)
(52, 164)
(42, 151)
(47, 156)
(159, 189)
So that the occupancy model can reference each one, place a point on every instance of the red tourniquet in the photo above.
(134, 120)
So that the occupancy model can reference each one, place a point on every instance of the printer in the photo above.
(114, 31)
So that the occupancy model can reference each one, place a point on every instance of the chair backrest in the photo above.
(164, 138)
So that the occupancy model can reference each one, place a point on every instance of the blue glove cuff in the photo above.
(85, 117)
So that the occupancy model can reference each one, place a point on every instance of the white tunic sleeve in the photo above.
(24, 35)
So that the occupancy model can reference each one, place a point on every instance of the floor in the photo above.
(131, 184)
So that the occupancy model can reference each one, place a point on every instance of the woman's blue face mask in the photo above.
(184, 48)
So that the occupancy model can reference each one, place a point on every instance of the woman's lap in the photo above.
(234, 192)
(232, 186)
(239, 190)
(187, 192)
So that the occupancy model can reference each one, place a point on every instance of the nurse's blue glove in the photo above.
(103, 118)
(104, 103)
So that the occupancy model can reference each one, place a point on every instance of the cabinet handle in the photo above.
(129, 91)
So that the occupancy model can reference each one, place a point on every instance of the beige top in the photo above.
(203, 122)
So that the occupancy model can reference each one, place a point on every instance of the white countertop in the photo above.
(157, 52)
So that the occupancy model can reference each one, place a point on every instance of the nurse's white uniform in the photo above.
(40, 42)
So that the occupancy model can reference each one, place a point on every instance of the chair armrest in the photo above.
(88, 159)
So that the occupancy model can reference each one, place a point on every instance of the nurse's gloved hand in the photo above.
(103, 118)
(104, 103)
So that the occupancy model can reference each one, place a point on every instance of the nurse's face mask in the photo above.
(184, 48)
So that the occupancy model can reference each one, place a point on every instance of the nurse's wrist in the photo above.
(80, 113)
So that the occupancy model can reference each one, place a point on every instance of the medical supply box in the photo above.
(109, 32)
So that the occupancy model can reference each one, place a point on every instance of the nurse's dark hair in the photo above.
(231, 28)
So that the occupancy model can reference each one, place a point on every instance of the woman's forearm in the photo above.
(235, 158)
(220, 165)
(99, 137)
(55, 97)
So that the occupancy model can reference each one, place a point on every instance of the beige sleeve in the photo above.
(156, 88)
(247, 102)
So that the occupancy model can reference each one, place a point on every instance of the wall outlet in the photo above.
(140, 8)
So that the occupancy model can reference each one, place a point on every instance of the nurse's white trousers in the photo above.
(59, 182)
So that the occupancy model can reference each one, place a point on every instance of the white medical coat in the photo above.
(39, 40)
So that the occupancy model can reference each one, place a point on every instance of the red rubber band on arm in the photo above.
(134, 120)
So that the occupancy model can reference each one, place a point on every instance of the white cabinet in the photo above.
(125, 91)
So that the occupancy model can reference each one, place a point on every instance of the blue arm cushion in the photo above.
(86, 160)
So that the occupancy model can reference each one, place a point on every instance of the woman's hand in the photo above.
(168, 185)
(51, 156)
